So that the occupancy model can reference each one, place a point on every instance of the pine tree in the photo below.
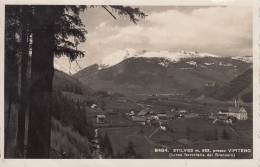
(52, 28)
(41, 82)
(11, 65)
(25, 41)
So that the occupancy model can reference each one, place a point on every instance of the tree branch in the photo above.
(109, 12)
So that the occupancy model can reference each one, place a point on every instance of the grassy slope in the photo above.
(67, 143)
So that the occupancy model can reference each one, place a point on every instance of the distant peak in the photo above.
(121, 55)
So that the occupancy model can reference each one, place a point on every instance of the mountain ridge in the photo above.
(136, 75)
(122, 55)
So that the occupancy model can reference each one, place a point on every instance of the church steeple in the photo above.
(236, 102)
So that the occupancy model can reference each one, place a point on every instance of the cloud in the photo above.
(219, 30)
(225, 31)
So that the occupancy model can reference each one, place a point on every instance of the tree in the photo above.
(52, 26)
(25, 41)
(41, 82)
(11, 64)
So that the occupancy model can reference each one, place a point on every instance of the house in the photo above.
(145, 112)
(139, 119)
(154, 117)
(93, 106)
(96, 110)
(191, 115)
(100, 119)
(132, 112)
(155, 122)
(180, 116)
(221, 115)
(237, 112)
(223, 119)
(182, 111)
(173, 109)
(163, 118)
(211, 84)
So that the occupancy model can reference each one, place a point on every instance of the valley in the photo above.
(136, 105)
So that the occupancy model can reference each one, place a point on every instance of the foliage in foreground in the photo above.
(67, 143)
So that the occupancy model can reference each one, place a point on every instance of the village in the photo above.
(149, 117)
(149, 128)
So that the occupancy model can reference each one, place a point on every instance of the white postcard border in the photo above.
(255, 162)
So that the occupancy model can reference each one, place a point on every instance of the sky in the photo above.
(224, 31)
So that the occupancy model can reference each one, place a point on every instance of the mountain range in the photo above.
(173, 73)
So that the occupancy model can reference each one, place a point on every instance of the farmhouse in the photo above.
(163, 118)
(182, 111)
(93, 106)
(145, 112)
(139, 119)
(101, 119)
(221, 117)
(131, 113)
(238, 112)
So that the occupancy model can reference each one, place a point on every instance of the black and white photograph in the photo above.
(128, 82)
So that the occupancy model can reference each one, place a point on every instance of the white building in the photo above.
(100, 119)
(238, 112)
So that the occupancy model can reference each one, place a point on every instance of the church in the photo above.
(238, 112)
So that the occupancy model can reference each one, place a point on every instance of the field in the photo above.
(197, 132)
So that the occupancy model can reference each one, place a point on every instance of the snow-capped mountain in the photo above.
(160, 72)
(248, 59)
(166, 57)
